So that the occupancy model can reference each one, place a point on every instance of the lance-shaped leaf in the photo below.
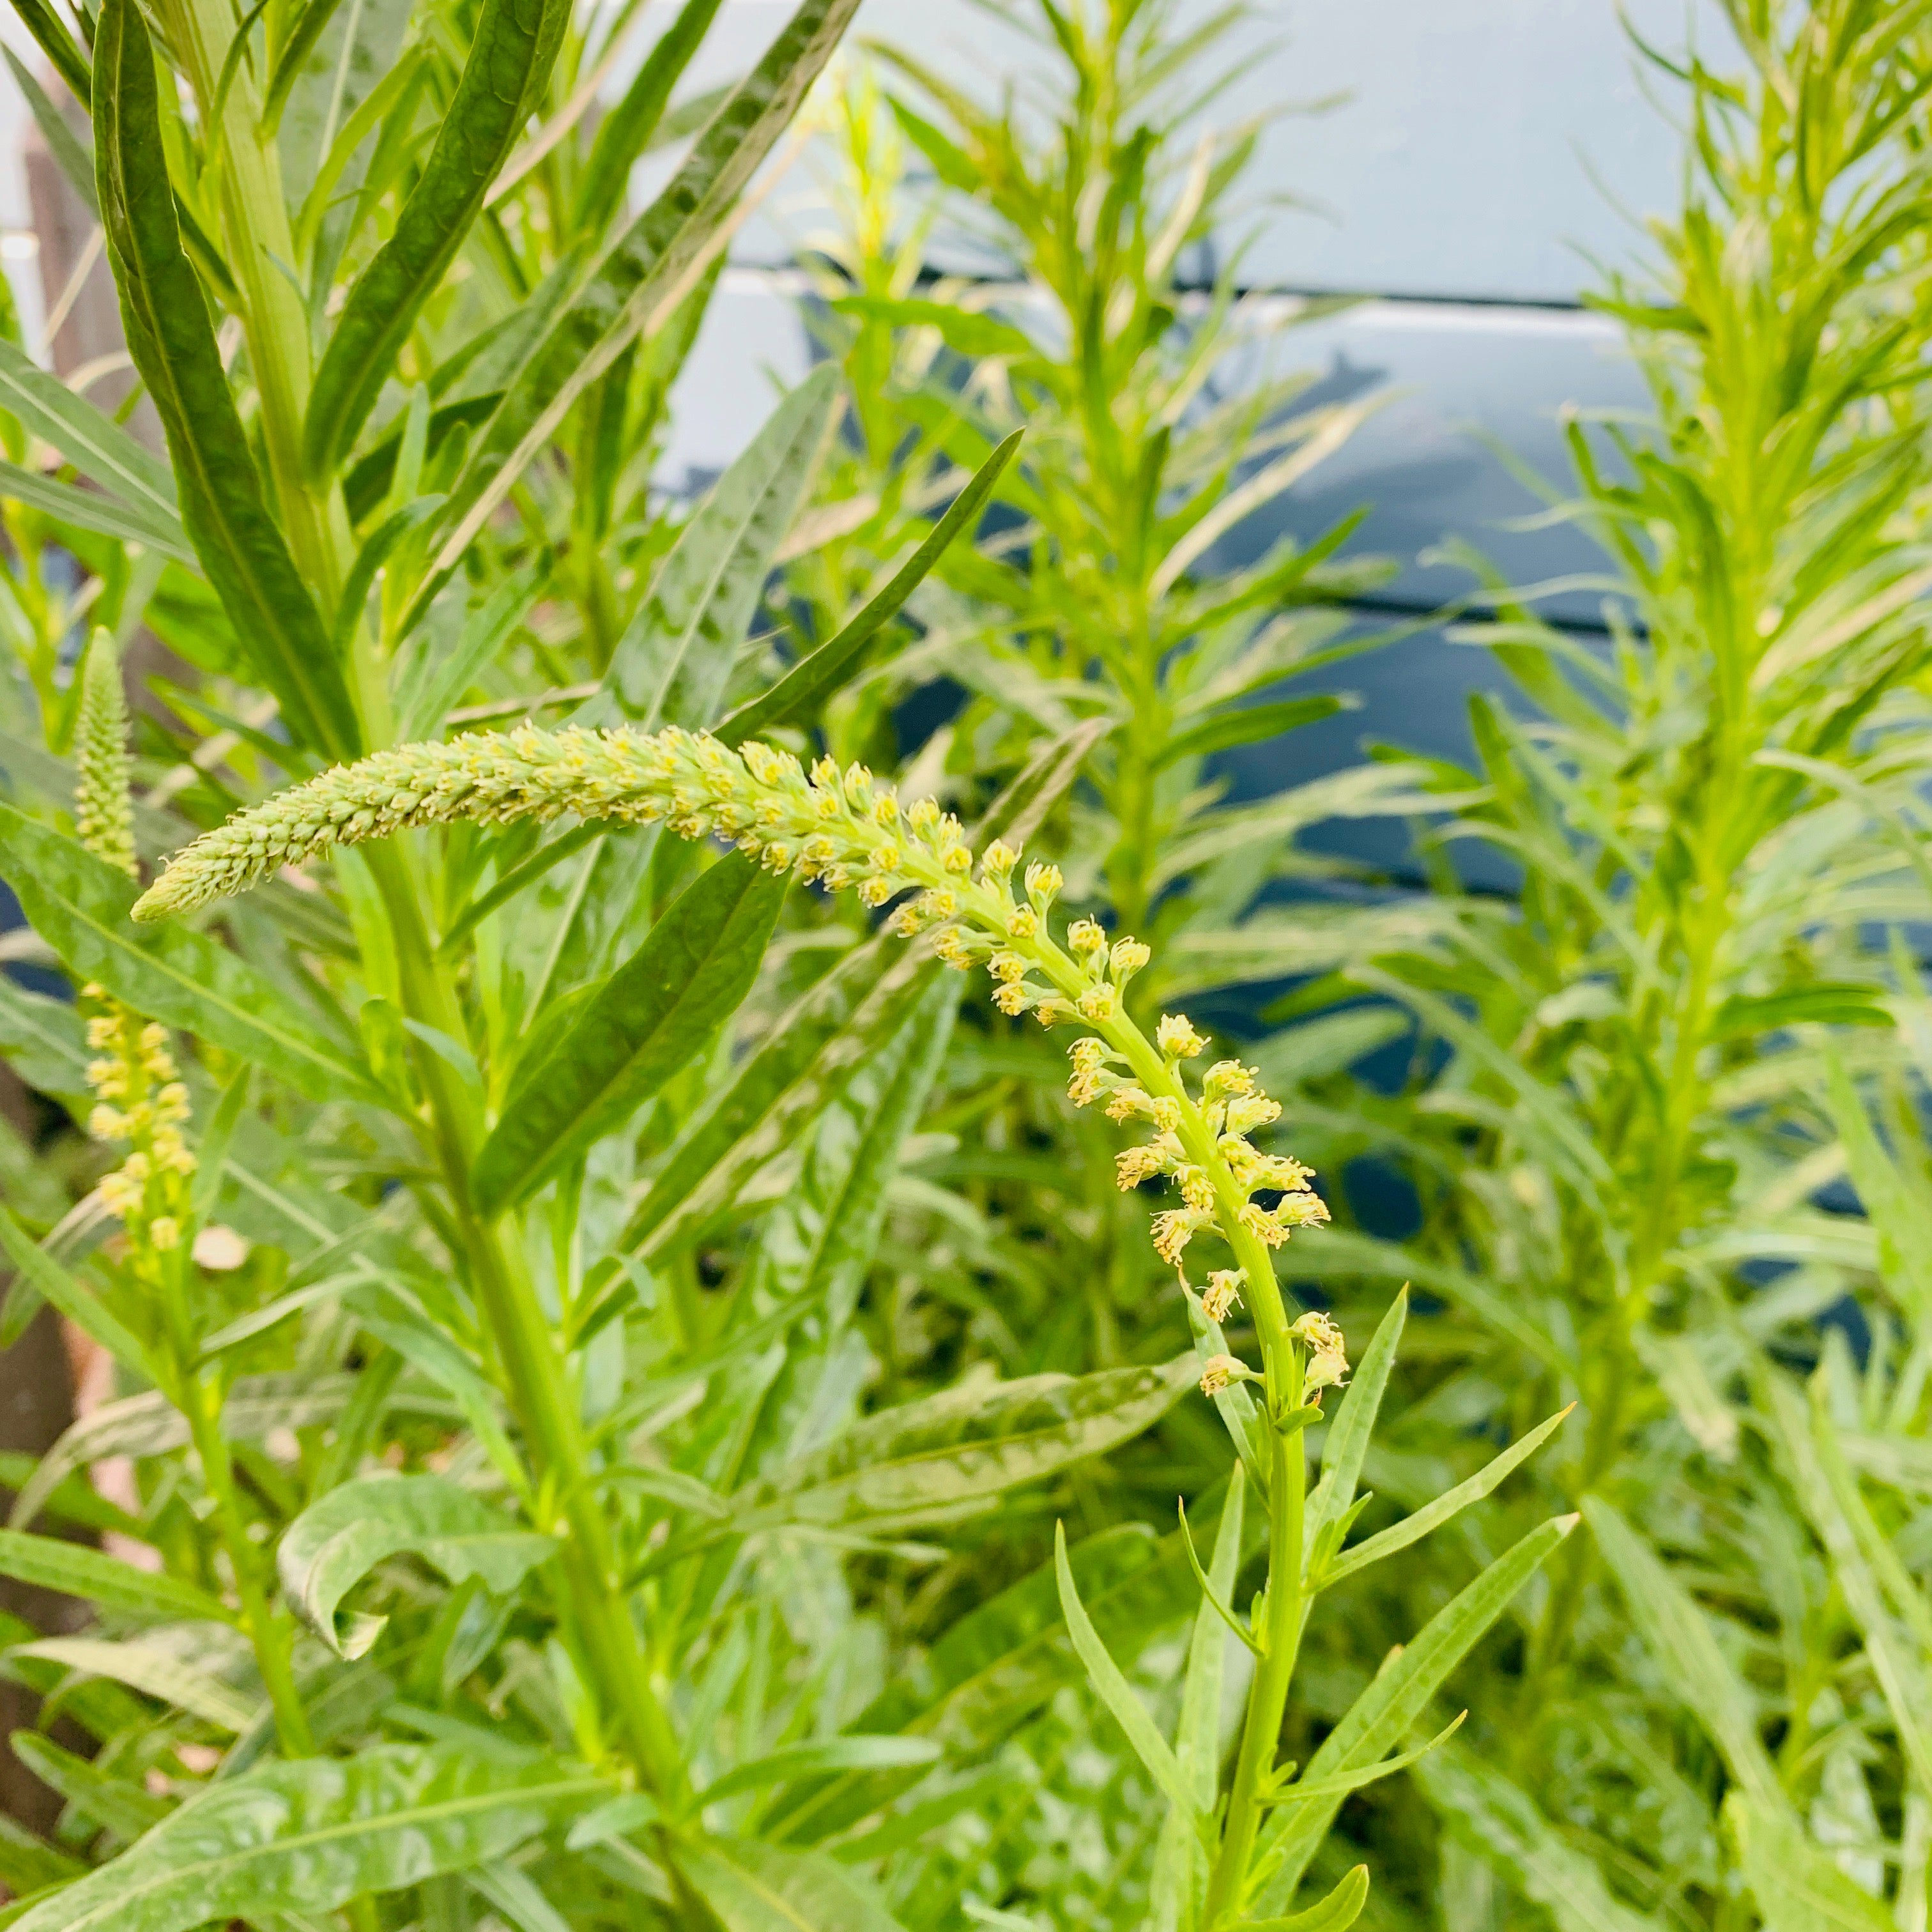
(305, 1837)
(149, 1666)
(1502, 1822)
(646, 265)
(1335, 1913)
(96, 444)
(626, 130)
(822, 1238)
(57, 44)
(80, 905)
(671, 664)
(1797, 1884)
(646, 1021)
(45, 1041)
(148, 1424)
(852, 1751)
(52, 1564)
(340, 1537)
(1687, 1653)
(126, 1808)
(171, 337)
(1117, 1693)
(1381, 1716)
(809, 682)
(948, 1454)
(46, 1279)
(87, 510)
(503, 79)
(1349, 1434)
(1433, 1515)
(757, 1888)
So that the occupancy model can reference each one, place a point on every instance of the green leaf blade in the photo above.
(307, 1836)
(503, 77)
(656, 1011)
(340, 1538)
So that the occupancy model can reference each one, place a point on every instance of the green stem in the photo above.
(526, 1350)
(1288, 1474)
(270, 1635)
(262, 251)
(1280, 1639)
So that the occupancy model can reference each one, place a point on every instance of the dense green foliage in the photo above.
(638, 1401)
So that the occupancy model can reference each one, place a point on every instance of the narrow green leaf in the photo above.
(822, 1238)
(45, 1042)
(950, 1453)
(1335, 1913)
(1214, 1597)
(504, 77)
(80, 905)
(374, 553)
(1433, 1515)
(51, 1282)
(1686, 1651)
(1797, 1885)
(96, 444)
(758, 1888)
(810, 1048)
(307, 1836)
(311, 24)
(1116, 1692)
(970, 332)
(1502, 1822)
(59, 45)
(1316, 1790)
(1350, 1434)
(671, 664)
(809, 682)
(88, 510)
(63, 143)
(127, 1809)
(656, 1011)
(1240, 1414)
(621, 294)
(172, 339)
(790, 1075)
(1744, 1016)
(1828, 1492)
(147, 1424)
(434, 687)
(340, 1537)
(153, 1671)
(1248, 726)
(849, 1752)
(1004, 1660)
(51, 1564)
(616, 1818)
(626, 130)
(1383, 1715)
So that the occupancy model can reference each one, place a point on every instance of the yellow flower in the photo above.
(1223, 1292)
(1176, 1037)
(1218, 1371)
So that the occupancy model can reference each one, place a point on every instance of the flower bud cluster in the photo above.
(139, 1101)
(140, 1104)
(1230, 1107)
(103, 809)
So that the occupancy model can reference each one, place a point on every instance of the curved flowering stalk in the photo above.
(845, 829)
